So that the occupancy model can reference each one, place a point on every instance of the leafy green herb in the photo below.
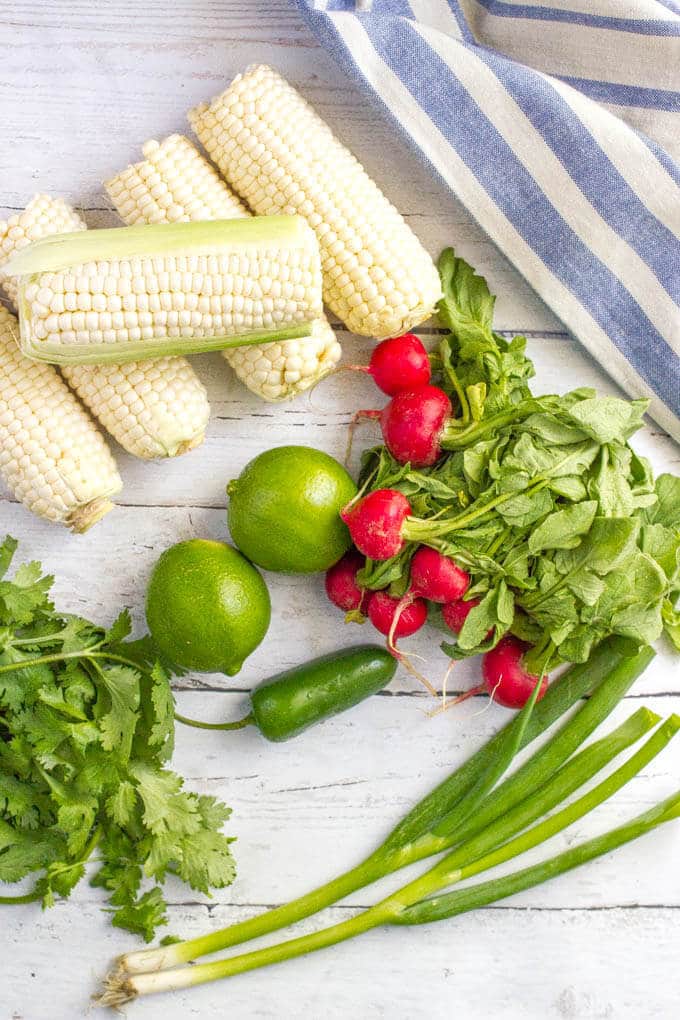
(86, 725)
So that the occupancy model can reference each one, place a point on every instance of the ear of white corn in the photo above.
(153, 409)
(173, 184)
(104, 296)
(280, 157)
(52, 456)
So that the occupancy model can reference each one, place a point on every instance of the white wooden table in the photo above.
(82, 85)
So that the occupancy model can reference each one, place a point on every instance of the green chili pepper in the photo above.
(293, 701)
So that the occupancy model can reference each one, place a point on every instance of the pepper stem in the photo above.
(248, 720)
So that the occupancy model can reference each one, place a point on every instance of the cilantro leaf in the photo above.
(21, 597)
(142, 916)
(118, 724)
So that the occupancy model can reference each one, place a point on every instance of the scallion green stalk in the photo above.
(417, 902)
(473, 897)
(609, 673)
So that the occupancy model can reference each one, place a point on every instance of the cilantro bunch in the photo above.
(566, 535)
(86, 727)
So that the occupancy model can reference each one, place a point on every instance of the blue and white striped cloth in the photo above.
(557, 124)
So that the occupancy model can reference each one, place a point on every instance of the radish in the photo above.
(341, 584)
(400, 363)
(433, 576)
(506, 680)
(412, 423)
(382, 609)
(456, 613)
(390, 617)
(375, 523)
(437, 577)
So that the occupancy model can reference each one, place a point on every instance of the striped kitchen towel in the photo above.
(557, 124)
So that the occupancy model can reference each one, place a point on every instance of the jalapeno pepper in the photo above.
(291, 702)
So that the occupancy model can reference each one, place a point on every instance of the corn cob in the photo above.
(52, 456)
(279, 156)
(173, 184)
(130, 293)
(153, 409)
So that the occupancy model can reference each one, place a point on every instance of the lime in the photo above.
(284, 510)
(207, 608)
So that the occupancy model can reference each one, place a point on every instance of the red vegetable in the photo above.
(400, 363)
(434, 577)
(392, 618)
(341, 584)
(506, 679)
(382, 609)
(437, 577)
(456, 613)
(412, 424)
(375, 523)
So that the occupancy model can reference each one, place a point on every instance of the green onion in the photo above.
(610, 672)
(463, 900)
(415, 902)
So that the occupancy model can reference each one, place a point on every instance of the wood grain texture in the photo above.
(82, 87)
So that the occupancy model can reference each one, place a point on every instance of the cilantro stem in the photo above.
(82, 653)
(31, 897)
(39, 890)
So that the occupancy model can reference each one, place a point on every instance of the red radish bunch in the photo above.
(400, 363)
(341, 583)
(506, 679)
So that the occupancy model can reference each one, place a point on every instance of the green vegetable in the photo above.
(86, 727)
(449, 813)
(293, 701)
(565, 534)
(516, 823)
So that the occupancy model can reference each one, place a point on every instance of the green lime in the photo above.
(284, 510)
(207, 608)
